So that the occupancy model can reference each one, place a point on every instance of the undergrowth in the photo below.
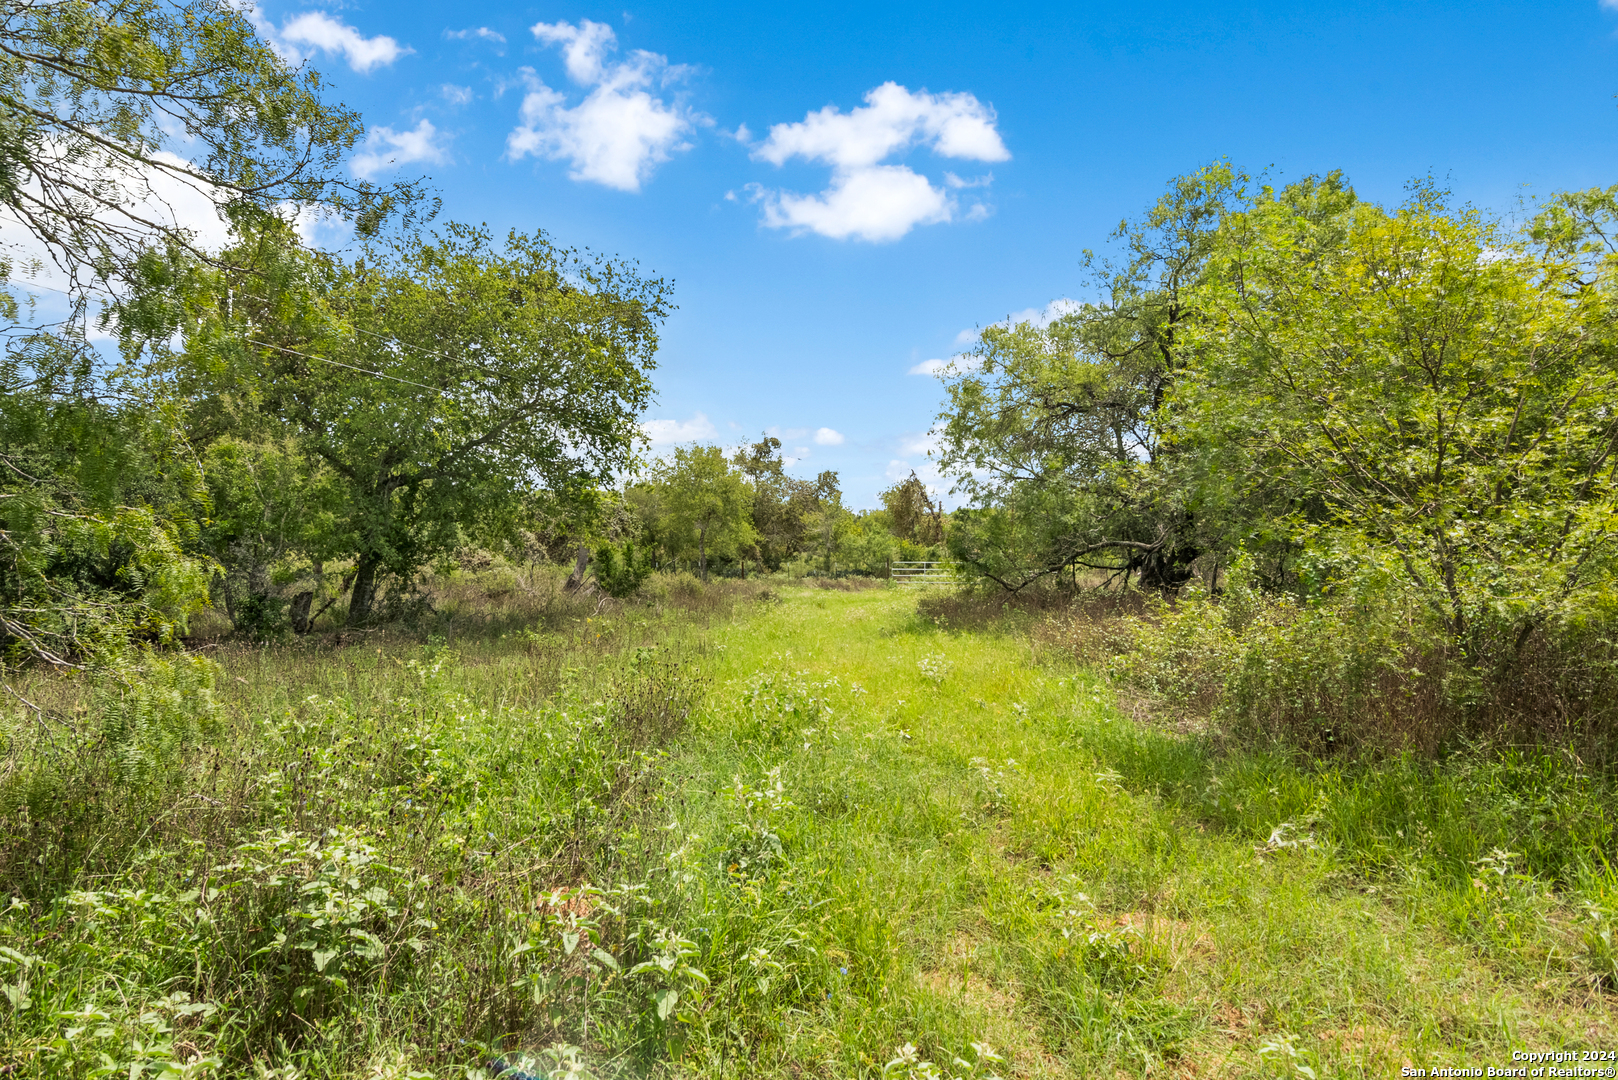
(825, 834)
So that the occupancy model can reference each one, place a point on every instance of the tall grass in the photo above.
(342, 844)
(1357, 672)
(752, 829)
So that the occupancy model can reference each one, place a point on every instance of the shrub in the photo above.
(621, 573)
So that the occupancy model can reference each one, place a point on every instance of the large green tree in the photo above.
(1420, 390)
(708, 504)
(1055, 432)
(444, 382)
(782, 504)
(106, 108)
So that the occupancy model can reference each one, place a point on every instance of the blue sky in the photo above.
(842, 192)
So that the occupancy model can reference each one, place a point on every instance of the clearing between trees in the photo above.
(732, 831)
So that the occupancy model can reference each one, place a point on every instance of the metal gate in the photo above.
(921, 574)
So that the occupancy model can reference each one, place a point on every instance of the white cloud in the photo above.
(385, 148)
(866, 199)
(893, 119)
(315, 30)
(1042, 317)
(1039, 317)
(882, 202)
(620, 132)
(670, 432)
(584, 47)
(827, 437)
(922, 445)
(960, 362)
(456, 95)
(481, 32)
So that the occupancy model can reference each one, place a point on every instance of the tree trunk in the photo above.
(300, 611)
(575, 580)
(364, 595)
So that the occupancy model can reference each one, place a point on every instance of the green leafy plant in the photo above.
(908, 1064)
(621, 571)
(676, 984)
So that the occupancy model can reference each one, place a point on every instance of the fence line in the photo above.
(921, 574)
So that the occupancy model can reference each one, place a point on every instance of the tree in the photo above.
(867, 544)
(1055, 432)
(708, 503)
(912, 513)
(1437, 397)
(781, 503)
(829, 520)
(267, 500)
(97, 97)
(97, 484)
(445, 382)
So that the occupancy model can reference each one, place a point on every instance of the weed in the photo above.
(935, 668)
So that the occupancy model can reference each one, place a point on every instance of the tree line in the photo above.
(284, 428)
(1407, 408)
(702, 509)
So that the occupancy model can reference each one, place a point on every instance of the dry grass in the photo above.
(846, 584)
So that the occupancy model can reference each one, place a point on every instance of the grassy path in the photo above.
(971, 847)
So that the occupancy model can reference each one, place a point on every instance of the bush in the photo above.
(1364, 665)
(621, 574)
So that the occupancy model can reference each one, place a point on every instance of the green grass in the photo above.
(789, 840)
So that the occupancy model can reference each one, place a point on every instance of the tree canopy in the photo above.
(106, 111)
(438, 383)
(1328, 388)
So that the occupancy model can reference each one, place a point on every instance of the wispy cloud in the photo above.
(620, 132)
(385, 148)
(866, 199)
(315, 31)
(479, 33)
(671, 432)
(1040, 317)
(922, 444)
(960, 362)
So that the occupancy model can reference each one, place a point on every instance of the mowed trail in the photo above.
(974, 848)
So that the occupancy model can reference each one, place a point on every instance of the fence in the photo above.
(921, 574)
